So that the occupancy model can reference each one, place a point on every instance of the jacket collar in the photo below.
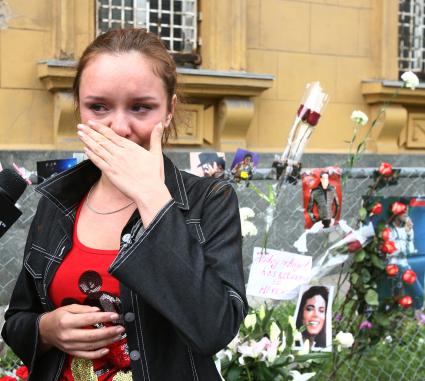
(67, 188)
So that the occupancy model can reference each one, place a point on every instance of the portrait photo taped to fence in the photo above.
(132, 268)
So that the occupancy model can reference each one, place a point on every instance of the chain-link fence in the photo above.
(398, 357)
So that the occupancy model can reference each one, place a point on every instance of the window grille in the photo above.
(411, 29)
(175, 21)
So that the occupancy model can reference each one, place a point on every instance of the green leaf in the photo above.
(360, 256)
(362, 214)
(234, 374)
(354, 278)
(377, 262)
(371, 297)
(366, 277)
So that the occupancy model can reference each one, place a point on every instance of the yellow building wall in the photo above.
(302, 41)
(338, 42)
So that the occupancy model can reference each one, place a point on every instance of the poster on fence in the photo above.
(322, 197)
(277, 274)
(313, 318)
(404, 218)
(208, 164)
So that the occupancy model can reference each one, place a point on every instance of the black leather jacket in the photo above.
(181, 280)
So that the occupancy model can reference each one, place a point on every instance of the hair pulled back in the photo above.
(119, 41)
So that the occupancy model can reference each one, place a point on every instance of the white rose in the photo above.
(248, 228)
(344, 339)
(359, 117)
(410, 79)
(246, 213)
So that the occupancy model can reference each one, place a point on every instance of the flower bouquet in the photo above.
(308, 114)
(262, 350)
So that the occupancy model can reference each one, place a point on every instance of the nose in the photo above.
(120, 123)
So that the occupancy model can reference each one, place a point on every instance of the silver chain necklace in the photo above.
(103, 213)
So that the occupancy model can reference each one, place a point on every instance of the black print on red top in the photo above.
(90, 284)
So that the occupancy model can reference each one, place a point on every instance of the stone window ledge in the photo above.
(402, 124)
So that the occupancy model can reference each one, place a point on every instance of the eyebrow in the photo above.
(136, 99)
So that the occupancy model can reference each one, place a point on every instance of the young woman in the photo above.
(132, 269)
(312, 315)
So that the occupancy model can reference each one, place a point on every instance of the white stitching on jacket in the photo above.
(137, 337)
(141, 335)
(192, 363)
(121, 259)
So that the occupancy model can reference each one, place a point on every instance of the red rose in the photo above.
(22, 372)
(405, 301)
(385, 234)
(376, 209)
(409, 277)
(354, 246)
(398, 208)
(7, 378)
(385, 169)
(391, 270)
(388, 247)
(313, 118)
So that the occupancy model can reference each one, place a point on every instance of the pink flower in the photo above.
(366, 324)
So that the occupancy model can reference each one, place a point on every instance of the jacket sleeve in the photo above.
(20, 330)
(310, 206)
(198, 287)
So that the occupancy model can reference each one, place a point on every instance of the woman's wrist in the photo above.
(150, 204)
(43, 345)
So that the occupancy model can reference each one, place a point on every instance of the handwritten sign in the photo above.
(277, 274)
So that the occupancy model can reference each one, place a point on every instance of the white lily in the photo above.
(250, 321)
(297, 376)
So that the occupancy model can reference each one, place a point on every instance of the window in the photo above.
(411, 29)
(175, 21)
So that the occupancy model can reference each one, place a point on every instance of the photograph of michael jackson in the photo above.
(208, 164)
(244, 164)
(313, 316)
(322, 197)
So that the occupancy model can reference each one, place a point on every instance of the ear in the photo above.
(172, 111)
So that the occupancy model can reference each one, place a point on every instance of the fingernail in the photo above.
(104, 351)
(120, 330)
(80, 126)
(95, 308)
(91, 122)
(80, 133)
(114, 317)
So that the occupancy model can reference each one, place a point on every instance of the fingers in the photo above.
(89, 355)
(106, 132)
(95, 142)
(80, 308)
(156, 139)
(79, 320)
(95, 335)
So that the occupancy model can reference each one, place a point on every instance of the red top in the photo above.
(82, 278)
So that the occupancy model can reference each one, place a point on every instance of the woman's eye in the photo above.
(140, 107)
(98, 107)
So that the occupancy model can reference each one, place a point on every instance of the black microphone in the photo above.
(12, 185)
